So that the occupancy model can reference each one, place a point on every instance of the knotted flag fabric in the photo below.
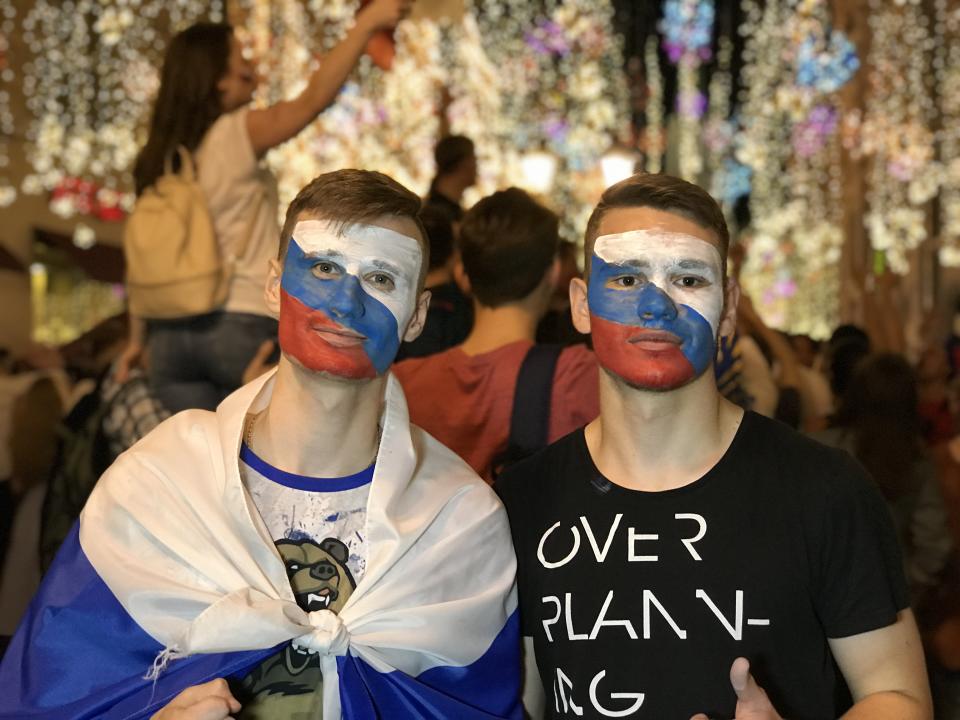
(171, 579)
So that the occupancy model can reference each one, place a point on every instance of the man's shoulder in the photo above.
(782, 440)
(173, 447)
(803, 461)
(442, 473)
(543, 469)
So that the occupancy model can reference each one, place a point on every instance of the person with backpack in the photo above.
(498, 395)
(204, 228)
(105, 422)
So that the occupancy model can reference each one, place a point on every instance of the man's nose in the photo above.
(654, 304)
(346, 300)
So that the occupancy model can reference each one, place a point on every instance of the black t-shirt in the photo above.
(640, 601)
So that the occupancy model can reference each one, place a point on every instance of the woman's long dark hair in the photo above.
(880, 408)
(188, 101)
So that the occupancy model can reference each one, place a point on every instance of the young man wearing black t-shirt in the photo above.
(677, 548)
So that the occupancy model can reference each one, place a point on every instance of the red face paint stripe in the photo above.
(642, 367)
(300, 339)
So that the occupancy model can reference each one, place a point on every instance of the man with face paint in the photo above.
(678, 555)
(304, 551)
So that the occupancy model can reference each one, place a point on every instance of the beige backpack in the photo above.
(175, 267)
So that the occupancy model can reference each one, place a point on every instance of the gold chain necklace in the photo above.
(252, 418)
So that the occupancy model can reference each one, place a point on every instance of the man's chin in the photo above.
(336, 372)
(651, 379)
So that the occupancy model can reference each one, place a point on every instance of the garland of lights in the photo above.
(654, 137)
(947, 71)
(896, 131)
(787, 153)
(520, 77)
(87, 105)
(687, 28)
(8, 193)
(562, 90)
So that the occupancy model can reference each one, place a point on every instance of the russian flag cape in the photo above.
(173, 575)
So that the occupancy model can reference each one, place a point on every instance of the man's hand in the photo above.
(258, 365)
(752, 701)
(129, 359)
(210, 701)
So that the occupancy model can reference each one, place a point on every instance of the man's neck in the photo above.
(495, 327)
(451, 187)
(656, 441)
(319, 426)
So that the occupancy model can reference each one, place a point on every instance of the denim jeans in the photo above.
(196, 362)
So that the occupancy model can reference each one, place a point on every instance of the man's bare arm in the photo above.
(886, 673)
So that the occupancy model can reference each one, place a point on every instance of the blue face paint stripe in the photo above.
(626, 307)
(344, 301)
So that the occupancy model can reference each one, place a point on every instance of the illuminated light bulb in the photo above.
(617, 165)
(539, 170)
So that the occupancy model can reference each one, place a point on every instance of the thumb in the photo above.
(750, 696)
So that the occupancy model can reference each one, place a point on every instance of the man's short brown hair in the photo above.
(345, 197)
(507, 242)
(660, 192)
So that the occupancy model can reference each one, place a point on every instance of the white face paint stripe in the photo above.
(362, 249)
(665, 255)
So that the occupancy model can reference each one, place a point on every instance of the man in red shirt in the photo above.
(464, 397)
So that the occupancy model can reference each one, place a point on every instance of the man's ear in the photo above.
(271, 291)
(731, 296)
(579, 308)
(460, 277)
(419, 319)
(554, 273)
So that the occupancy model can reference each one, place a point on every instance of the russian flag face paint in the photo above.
(655, 302)
(346, 297)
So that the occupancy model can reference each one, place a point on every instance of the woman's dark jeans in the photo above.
(196, 362)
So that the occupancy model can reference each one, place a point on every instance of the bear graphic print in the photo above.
(318, 527)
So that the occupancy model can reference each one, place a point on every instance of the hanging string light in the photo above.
(896, 131)
(8, 15)
(91, 76)
(947, 74)
(687, 29)
(521, 77)
(794, 64)
(653, 133)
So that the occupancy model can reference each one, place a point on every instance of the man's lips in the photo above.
(336, 335)
(653, 339)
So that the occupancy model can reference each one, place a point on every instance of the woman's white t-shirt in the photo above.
(242, 197)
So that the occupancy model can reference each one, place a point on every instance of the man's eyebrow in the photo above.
(638, 263)
(384, 265)
(330, 253)
(691, 264)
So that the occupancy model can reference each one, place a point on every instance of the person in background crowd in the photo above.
(450, 315)
(806, 349)
(936, 407)
(203, 105)
(456, 164)
(108, 420)
(677, 548)
(556, 325)
(847, 346)
(465, 396)
(878, 423)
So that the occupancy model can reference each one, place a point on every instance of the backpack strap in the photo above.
(530, 418)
